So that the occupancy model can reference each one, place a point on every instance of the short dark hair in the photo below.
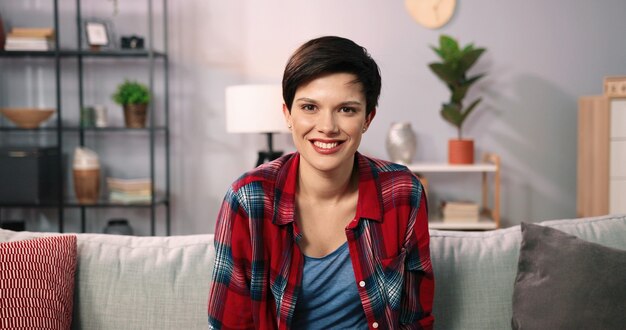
(332, 54)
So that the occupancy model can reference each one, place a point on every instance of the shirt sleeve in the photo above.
(229, 305)
(419, 284)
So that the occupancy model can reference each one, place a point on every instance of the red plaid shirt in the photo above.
(258, 266)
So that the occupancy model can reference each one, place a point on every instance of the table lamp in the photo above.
(256, 109)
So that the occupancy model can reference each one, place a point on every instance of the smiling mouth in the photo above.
(327, 148)
(324, 145)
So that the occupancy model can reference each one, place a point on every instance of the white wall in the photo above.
(542, 55)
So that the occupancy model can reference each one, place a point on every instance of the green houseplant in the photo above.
(453, 71)
(134, 98)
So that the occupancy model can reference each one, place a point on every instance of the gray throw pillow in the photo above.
(564, 282)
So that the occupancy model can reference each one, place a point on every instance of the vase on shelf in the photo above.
(401, 143)
(86, 175)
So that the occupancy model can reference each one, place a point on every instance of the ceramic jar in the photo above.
(86, 174)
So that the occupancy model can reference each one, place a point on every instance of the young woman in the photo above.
(324, 238)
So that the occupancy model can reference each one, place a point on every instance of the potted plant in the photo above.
(134, 98)
(453, 69)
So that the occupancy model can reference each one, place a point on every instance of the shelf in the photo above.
(85, 129)
(66, 131)
(444, 168)
(75, 204)
(105, 203)
(489, 216)
(115, 53)
(112, 129)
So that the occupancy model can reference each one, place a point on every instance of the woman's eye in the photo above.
(347, 110)
(308, 107)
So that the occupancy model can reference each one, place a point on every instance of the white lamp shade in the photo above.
(255, 109)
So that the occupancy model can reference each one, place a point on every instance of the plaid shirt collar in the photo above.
(285, 190)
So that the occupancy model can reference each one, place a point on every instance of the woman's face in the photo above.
(327, 121)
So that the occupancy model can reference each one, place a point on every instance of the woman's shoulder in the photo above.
(395, 182)
(252, 189)
(384, 166)
(267, 173)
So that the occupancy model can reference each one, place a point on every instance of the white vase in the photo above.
(401, 143)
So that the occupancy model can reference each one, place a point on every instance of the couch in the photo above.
(127, 282)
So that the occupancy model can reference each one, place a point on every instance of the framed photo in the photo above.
(97, 34)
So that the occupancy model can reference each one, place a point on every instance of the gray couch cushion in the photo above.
(475, 271)
(128, 282)
(564, 282)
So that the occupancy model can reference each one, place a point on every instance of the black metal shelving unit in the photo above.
(149, 54)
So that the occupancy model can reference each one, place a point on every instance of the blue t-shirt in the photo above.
(328, 298)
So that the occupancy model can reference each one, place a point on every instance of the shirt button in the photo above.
(375, 325)
(362, 284)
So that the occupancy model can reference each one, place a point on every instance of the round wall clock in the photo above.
(432, 14)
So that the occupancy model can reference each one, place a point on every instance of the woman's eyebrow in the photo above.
(309, 100)
(354, 103)
(306, 99)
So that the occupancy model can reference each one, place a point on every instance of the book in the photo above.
(461, 206)
(453, 213)
(29, 40)
(461, 219)
(120, 197)
(129, 185)
(32, 32)
(142, 192)
(30, 47)
(17, 43)
(467, 216)
(459, 211)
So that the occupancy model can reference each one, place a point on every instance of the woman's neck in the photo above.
(326, 187)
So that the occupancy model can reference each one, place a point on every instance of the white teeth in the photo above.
(325, 145)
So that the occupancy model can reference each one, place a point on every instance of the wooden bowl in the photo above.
(27, 117)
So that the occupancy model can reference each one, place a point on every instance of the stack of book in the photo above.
(129, 191)
(30, 39)
(460, 211)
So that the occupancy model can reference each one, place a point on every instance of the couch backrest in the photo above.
(125, 282)
(475, 271)
(163, 282)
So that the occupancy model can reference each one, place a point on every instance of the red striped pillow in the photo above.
(37, 283)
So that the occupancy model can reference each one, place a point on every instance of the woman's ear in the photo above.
(369, 118)
(287, 115)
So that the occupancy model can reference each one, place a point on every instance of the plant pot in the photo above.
(461, 151)
(135, 115)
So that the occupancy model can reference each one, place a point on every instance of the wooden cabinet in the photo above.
(617, 157)
(601, 156)
(490, 212)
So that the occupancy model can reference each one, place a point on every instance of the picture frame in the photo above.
(97, 34)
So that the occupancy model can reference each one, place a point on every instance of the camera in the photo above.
(132, 42)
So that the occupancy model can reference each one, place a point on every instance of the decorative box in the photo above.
(29, 175)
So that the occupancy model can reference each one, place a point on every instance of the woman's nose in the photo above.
(327, 123)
